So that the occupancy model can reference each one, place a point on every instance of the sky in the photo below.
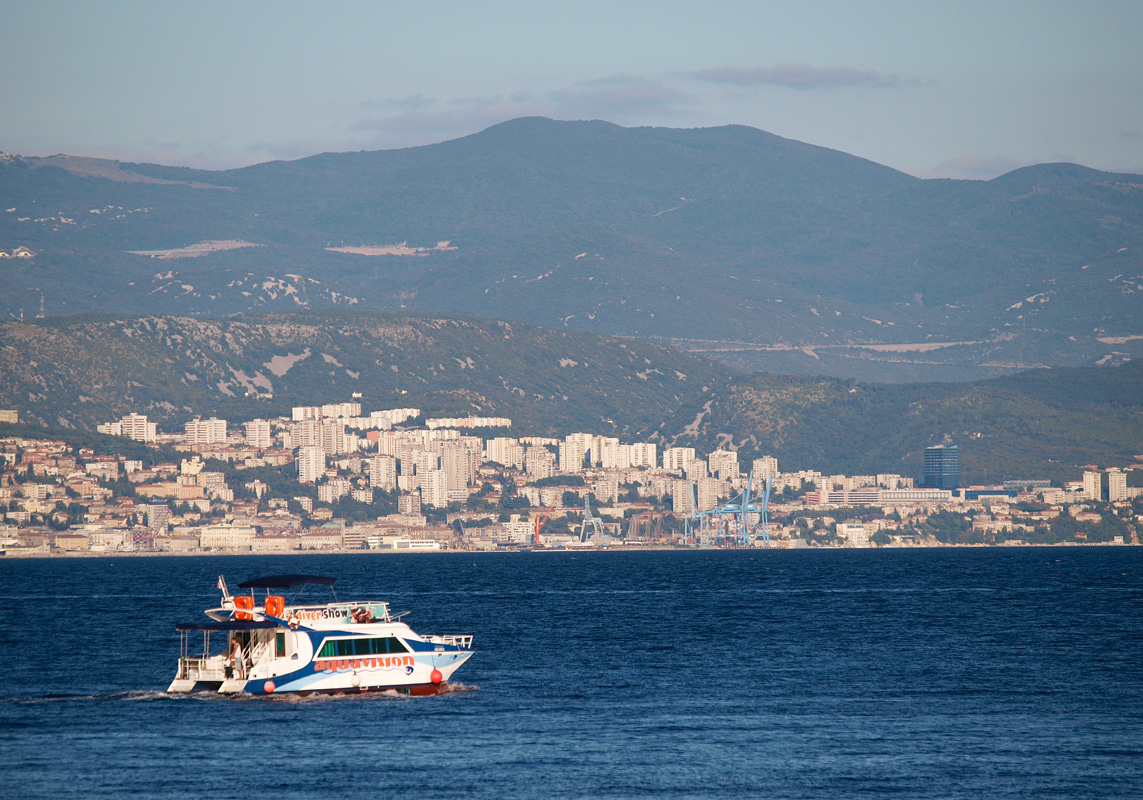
(936, 89)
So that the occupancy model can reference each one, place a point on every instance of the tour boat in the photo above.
(304, 648)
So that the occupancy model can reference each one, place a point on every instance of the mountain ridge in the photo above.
(719, 234)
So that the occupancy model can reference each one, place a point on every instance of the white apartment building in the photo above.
(385, 420)
(258, 434)
(504, 450)
(469, 422)
(855, 534)
(708, 490)
(542, 497)
(681, 499)
(334, 489)
(409, 503)
(311, 464)
(606, 490)
(339, 410)
(418, 462)
(226, 537)
(678, 458)
(645, 455)
(540, 462)
(724, 464)
(383, 472)
(459, 462)
(515, 531)
(205, 431)
(696, 470)
(894, 481)
(133, 426)
(612, 454)
(301, 413)
(1091, 486)
(1116, 485)
(335, 439)
(575, 448)
(434, 488)
(761, 467)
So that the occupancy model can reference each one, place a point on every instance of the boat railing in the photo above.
(202, 668)
(463, 641)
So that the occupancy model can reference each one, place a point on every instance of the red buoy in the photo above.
(436, 676)
(268, 687)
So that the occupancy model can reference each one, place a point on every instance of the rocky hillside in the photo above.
(81, 371)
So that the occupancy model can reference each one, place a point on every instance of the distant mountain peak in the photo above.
(1058, 174)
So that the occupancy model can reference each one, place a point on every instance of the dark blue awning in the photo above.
(286, 581)
(228, 625)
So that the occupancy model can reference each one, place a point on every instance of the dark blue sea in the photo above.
(974, 673)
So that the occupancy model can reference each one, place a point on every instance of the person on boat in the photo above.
(238, 659)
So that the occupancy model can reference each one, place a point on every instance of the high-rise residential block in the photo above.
(1116, 485)
(206, 431)
(258, 433)
(311, 464)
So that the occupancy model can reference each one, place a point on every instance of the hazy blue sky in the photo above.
(967, 89)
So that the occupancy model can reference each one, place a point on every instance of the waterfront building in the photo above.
(409, 503)
(855, 534)
(942, 467)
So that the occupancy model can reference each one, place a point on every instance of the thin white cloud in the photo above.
(618, 79)
(617, 99)
(801, 76)
(412, 101)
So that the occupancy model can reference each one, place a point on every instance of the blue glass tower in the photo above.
(942, 467)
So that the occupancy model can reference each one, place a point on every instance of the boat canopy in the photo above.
(286, 581)
(227, 625)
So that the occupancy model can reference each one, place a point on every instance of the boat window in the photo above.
(340, 648)
(280, 640)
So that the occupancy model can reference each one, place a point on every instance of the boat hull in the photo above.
(417, 673)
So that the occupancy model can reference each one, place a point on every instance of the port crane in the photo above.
(542, 520)
(731, 521)
(590, 521)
